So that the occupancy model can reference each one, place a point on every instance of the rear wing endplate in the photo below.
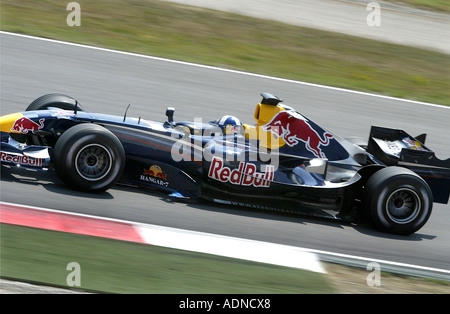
(397, 148)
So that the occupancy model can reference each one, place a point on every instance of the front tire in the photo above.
(56, 100)
(398, 200)
(88, 157)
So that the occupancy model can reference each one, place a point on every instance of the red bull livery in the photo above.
(292, 128)
(245, 174)
(25, 125)
(283, 161)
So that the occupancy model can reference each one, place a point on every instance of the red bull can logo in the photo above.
(24, 125)
(293, 128)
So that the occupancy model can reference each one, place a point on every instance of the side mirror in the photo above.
(169, 113)
(317, 165)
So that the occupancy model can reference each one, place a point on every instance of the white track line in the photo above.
(251, 250)
(227, 70)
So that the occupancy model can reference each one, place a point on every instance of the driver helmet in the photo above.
(230, 124)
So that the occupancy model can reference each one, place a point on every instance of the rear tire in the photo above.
(398, 200)
(88, 157)
(56, 100)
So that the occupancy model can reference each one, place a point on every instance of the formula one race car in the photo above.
(284, 162)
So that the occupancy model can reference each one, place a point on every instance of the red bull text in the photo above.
(20, 160)
(245, 174)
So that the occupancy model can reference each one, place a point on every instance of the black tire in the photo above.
(88, 157)
(398, 200)
(54, 100)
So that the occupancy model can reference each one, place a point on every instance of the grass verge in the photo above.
(112, 266)
(109, 266)
(237, 42)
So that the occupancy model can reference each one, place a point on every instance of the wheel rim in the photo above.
(403, 205)
(93, 162)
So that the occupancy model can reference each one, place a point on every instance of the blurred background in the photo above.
(301, 40)
(287, 47)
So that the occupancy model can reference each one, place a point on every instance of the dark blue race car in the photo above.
(284, 161)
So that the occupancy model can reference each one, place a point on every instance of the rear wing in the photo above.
(398, 148)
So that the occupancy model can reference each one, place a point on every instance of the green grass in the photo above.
(236, 42)
(112, 266)
(434, 5)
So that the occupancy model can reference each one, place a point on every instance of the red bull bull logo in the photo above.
(293, 128)
(412, 143)
(156, 171)
(24, 125)
(156, 175)
(245, 174)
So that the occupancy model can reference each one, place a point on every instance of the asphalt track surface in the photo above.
(107, 81)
